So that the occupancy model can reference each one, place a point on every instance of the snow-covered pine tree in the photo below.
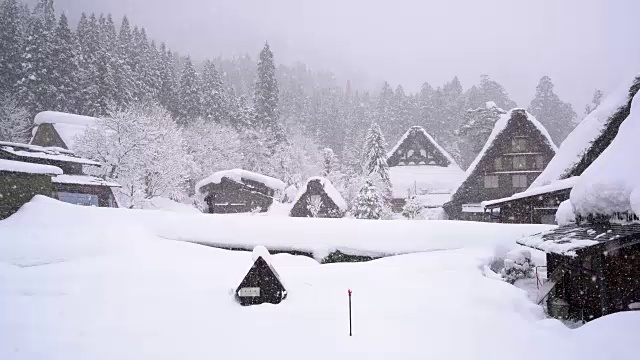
(330, 162)
(167, 94)
(214, 99)
(15, 123)
(66, 58)
(12, 23)
(88, 89)
(266, 95)
(556, 116)
(488, 90)
(375, 159)
(124, 75)
(369, 203)
(384, 114)
(144, 66)
(427, 108)
(476, 129)
(35, 88)
(154, 82)
(106, 63)
(412, 208)
(190, 101)
(595, 102)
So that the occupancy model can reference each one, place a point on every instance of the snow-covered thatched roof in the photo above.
(329, 189)
(29, 168)
(83, 180)
(68, 126)
(44, 153)
(238, 175)
(419, 130)
(576, 145)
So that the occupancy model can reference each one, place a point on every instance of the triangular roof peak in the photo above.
(417, 147)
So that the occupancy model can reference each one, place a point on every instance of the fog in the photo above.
(581, 44)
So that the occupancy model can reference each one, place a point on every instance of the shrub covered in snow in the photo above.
(412, 208)
(369, 203)
(517, 265)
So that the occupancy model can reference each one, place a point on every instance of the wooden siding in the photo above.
(46, 135)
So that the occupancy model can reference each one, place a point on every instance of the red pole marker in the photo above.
(350, 332)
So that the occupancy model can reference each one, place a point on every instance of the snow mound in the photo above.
(237, 175)
(579, 140)
(565, 214)
(23, 167)
(261, 251)
(165, 204)
(605, 187)
(54, 117)
(490, 105)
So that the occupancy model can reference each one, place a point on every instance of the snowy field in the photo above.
(105, 286)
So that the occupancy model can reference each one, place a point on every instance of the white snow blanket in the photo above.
(238, 175)
(607, 185)
(83, 180)
(88, 288)
(432, 184)
(579, 140)
(68, 126)
(23, 167)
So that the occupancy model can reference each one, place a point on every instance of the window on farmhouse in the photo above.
(498, 163)
(519, 162)
(518, 145)
(491, 182)
(78, 198)
(519, 181)
(539, 162)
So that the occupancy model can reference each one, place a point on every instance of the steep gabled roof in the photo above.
(418, 133)
(67, 126)
(507, 121)
(594, 133)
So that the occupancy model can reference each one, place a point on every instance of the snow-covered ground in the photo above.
(104, 285)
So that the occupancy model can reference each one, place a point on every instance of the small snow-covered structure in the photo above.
(262, 284)
(239, 191)
(595, 263)
(577, 152)
(516, 152)
(536, 205)
(72, 186)
(57, 129)
(420, 167)
(20, 182)
(318, 198)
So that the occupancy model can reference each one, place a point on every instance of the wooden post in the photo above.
(350, 329)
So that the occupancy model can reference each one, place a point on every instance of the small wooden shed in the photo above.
(262, 284)
(20, 182)
(593, 268)
(319, 198)
(239, 191)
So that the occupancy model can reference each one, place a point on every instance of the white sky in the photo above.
(581, 44)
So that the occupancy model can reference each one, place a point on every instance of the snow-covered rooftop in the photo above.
(68, 126)
(238, 175)
(579, 140)
(606, 187)
(29, 168)
(554, 186)
(47, 153)
(429, 137)
(499, 127)
(433, 184)
(83, 180)
(328, 187)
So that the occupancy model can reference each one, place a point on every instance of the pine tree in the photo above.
(66, 58)
(106, 63)
(488, 90)
(88, 90)
(144, 66)
(15, 123)
(167, 94)
(412, 208)
(556, 115)
(265, 99)
(12, 25)
(375, 162)
(595, 102)
(475, 131)
(214, 99)
(426, 105)
(124, 57)
(190, 101)
(384, 115)
(154, 78)
(35, 88)
(369, 203)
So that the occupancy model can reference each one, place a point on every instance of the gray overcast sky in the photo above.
(581, 44)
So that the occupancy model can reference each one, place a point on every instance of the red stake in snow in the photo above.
(350, 332)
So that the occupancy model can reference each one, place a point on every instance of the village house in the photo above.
(21, 181)
(593, 258)
(239, 191)
(318, 198)
(59, 130)
(517, 151)
(72, 185)
(539, 203)
(420, 167)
